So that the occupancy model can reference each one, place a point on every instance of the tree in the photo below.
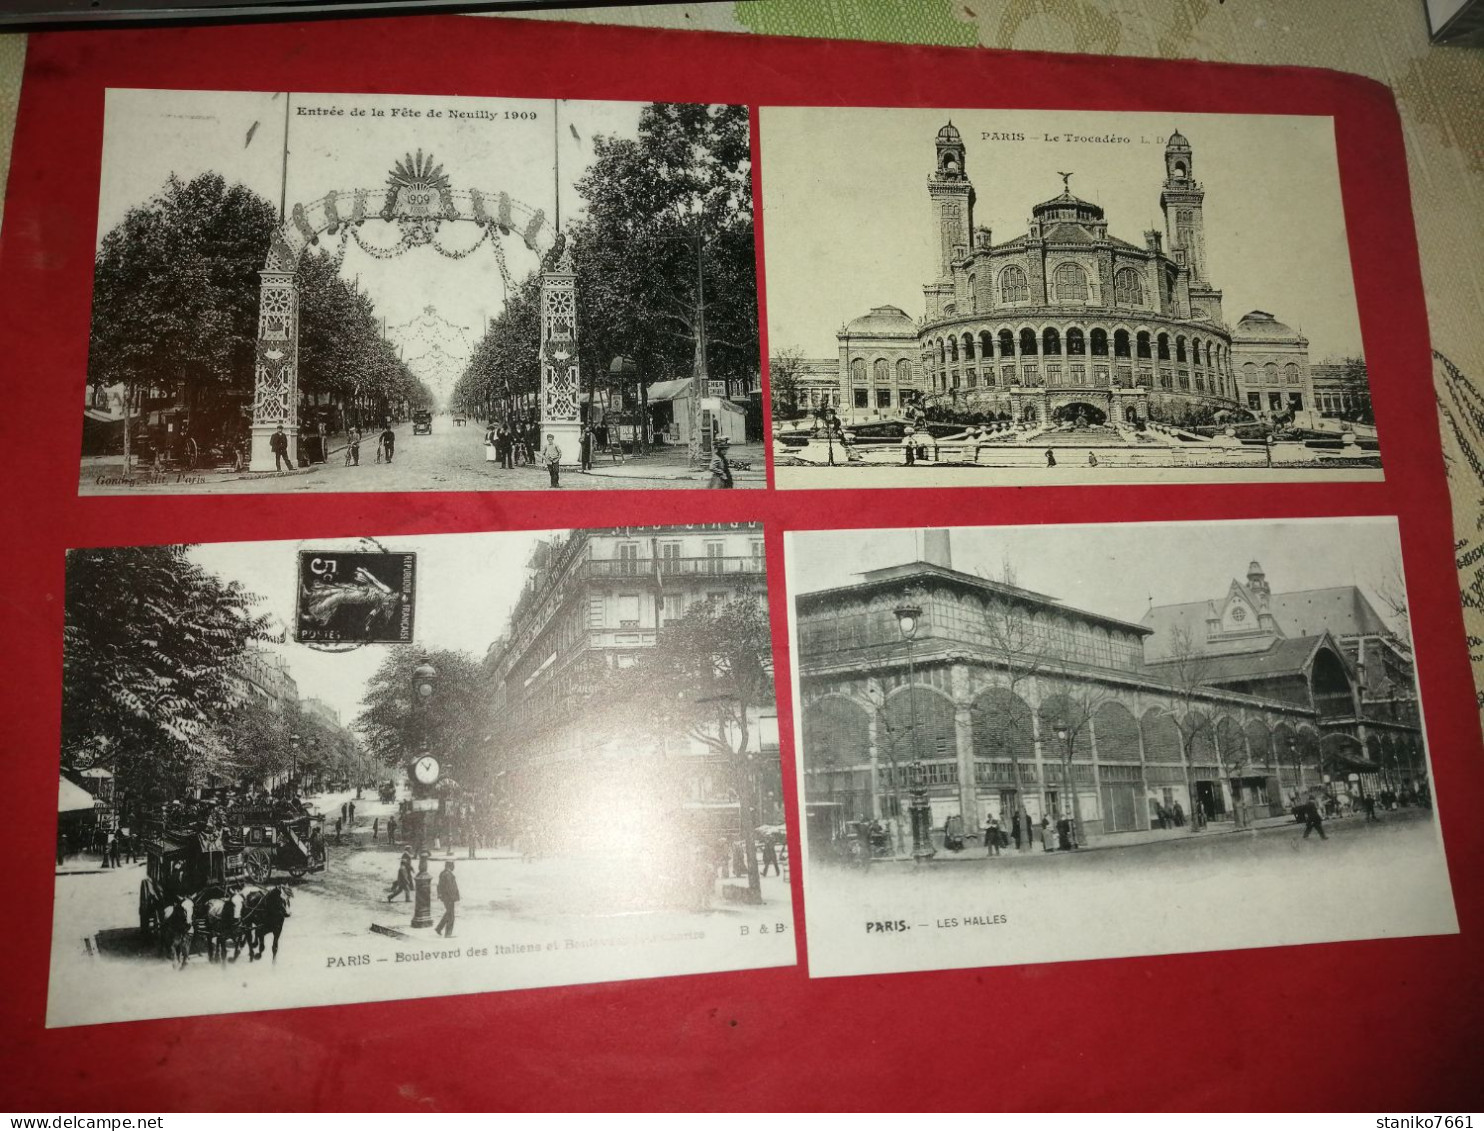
(175, 292)
(665, 260)
(785, 380)
(395, 730)
(1187, 671)
(707, 674)
(1020, 650)
(152, 647)
(1068, 715)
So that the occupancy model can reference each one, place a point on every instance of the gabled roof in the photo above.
(1342, 610)
(1279, 658)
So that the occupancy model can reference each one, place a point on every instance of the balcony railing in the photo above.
(673, 567)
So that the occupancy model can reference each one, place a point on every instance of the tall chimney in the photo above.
(935, 548)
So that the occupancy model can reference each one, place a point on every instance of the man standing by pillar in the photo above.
(551, 455)
(278, 443)
(448, 895)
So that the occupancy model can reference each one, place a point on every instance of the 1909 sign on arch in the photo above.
(417, 199)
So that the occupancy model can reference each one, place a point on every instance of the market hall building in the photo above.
(1068, 321)
(1016, 700)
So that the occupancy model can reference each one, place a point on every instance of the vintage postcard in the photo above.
(348, 815)
(1036, 744)
(324, 292)
(1019, 297)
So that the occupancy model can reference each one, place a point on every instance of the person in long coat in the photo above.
(403, 883)
(448, 895)
(721, 469)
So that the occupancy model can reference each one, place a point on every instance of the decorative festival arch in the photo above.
(416, 202)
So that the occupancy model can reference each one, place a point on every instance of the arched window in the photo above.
(1128, 288)
(1291, 374)
(1099, 343)
(1050, 341)
(942, 353)
(1076, 342)
(1270, 373)
(881, 371)
(1007, 344)
(968, 347)
(1143, 343)
(1164, 347)
(1071, 283)
(1027, 342)
(953, 350)
(858, 371)
(1180, 348)
(986, 344)
(1120, 343)
(973, 296)
(1013, 286)
(904, 372)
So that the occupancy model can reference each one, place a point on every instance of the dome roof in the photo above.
(949, 133)
(1177, 138)
(884, 320)
(1261, 324)
(1068, 207)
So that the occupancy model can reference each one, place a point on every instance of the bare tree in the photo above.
(1074, 706)
(1187, 672)
(785, 373)
(1019, 649)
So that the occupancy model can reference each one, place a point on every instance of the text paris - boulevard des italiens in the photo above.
(450, 775)
(399, 307)
(994, 774)
(1002, 330)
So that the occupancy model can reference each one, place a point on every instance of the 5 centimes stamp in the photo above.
(356, 597)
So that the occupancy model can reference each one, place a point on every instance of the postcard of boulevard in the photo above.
(354, 770)
(977, 297)
(1033, 744)
(349, 292)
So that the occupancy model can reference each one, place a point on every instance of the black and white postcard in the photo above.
(978, 297)
(570, 774)
(320, 292)
(1035, 744)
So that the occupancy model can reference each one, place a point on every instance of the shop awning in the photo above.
(73, 798)
(668, 390)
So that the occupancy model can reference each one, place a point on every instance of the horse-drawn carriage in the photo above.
(206, 884)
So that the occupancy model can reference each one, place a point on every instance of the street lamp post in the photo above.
(424, 681)
(1298, 770)
(293, 765)
(1066, 735)
(908, 618)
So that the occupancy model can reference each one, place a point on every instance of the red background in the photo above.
(1383, 1024)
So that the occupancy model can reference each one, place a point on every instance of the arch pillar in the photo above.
(560, 376)
(276, 367)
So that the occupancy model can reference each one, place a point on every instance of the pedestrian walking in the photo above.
(909, 449)
(108, 850)
(1179, 811)
(391, 830)
(721, 470)
(1092, 459)
(1064, 834)
(1045, 834)
(344, 808)
(115, 846)
(387, 446)
(1369, 803)
(375, 827)
(551, 456)
(402, 885)
(278, 444)
(1050, 458)
(587, 448)
(770, 858)
(1313, 822)
(352, 821)
(448, 895)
